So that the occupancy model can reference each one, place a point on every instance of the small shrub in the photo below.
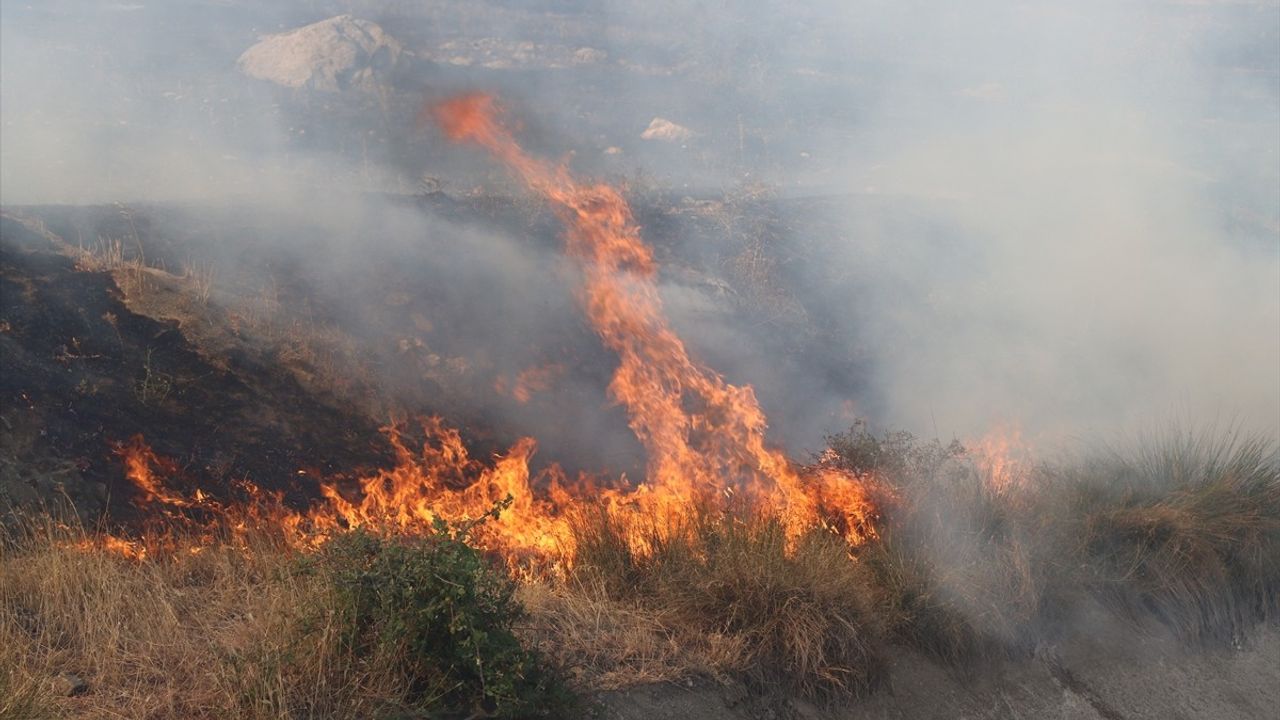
(433, 613)
(154, 386)
(898, 458)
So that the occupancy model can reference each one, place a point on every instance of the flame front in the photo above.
(704, 437)
(442, 481)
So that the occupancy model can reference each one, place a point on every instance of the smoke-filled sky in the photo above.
(1058, 216)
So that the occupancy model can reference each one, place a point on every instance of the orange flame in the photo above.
(1002, 458)
(139, 459)
(529, 382)
(705, 437)
(702, 434)
(442, 481)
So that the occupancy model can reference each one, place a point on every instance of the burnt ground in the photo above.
(247, 342)
(244, 344)
(84, 372)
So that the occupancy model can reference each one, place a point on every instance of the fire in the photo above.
(1001, 457)
(442, 481)
(112, 544)
(531, 381)
(139, 461)
(704, 436)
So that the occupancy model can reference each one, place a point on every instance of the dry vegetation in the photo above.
(242, 627)
(1185, 533)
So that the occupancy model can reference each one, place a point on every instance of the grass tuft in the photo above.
(801, 615)
(1186, 532)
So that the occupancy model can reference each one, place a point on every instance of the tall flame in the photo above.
(702, 434)
(704, 437)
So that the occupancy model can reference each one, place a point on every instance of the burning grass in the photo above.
(243, 622)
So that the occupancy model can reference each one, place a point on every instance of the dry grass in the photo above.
(1185, 533)
(800, 616)
(129, 268)
(232, 626)
(22, 696)
(201, 275)
(960, 581)
(105, 255)
(198, 630)
(608, 643)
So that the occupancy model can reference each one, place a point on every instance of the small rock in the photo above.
(589, 56)
(68, 684)
(663, 129)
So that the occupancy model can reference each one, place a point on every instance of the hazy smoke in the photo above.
(1059, 216)
(1108, 179)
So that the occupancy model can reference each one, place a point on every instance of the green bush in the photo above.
(433, 613)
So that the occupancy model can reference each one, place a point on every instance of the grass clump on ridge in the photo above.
(1183, 531)
(1186, 532)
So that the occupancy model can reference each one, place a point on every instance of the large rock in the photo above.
(332, 55)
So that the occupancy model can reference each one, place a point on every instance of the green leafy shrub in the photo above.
(433, 613)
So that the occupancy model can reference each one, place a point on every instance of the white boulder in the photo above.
(331, 55)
